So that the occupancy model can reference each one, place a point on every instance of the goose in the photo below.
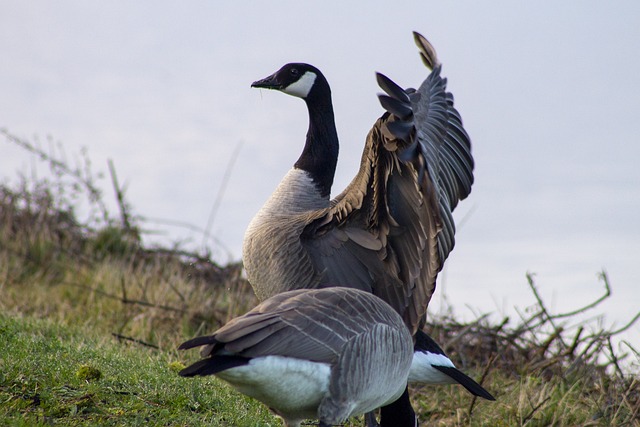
(390, 231)
(328, 353)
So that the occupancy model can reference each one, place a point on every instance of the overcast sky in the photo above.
(548, 91)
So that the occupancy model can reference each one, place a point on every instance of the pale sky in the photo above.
(548, 91)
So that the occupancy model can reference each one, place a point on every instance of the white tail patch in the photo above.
(423, 372)
(293, 387)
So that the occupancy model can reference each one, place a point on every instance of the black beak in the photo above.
(270, 82)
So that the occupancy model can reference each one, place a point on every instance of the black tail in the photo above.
(197, 342)
(213, 365)
(465, 381)
(425, 343)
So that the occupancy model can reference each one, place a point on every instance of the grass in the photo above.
(90, 322)
(63, 375)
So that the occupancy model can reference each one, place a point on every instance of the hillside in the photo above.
(91, 320)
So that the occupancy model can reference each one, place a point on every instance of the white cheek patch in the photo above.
(302, 86)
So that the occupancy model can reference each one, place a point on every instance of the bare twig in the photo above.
(613, 358)
(632, 348)
(86, 181)
(576, 341)
(485, 372)
(221, 191)
(627, 326)
(543, 308)
(535, 409)
(557, 334)
(194, 228)
(122, 205)
(135, 340)
(125, 300)
(607, 293)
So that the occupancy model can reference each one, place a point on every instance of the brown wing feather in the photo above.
(413, 171)
(400, 217)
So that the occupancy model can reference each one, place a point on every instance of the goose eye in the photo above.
(294, 72)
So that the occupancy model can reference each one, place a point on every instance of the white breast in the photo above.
(295, 194)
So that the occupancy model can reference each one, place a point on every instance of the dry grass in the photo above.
(54, 268)
(544, 368)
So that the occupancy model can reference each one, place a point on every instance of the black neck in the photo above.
(399, 413)
(320, 154)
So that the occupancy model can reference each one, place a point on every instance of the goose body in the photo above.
(390, 231)
(327, 354)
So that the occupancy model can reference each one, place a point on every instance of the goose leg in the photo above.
(399, 413)
(370, 419)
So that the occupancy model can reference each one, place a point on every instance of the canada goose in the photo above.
(324, 353)
(390, 231)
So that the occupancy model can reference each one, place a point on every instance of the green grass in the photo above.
(65, 375)
(44, 380)
(68, 290)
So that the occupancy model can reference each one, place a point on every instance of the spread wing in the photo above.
(390, 231)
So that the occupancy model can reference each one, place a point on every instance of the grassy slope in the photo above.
(50, 375)
(64, 292)
(44, 380)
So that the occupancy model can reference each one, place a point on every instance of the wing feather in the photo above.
(392, 228)
(310, 325)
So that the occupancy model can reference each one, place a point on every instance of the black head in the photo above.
(296, 79)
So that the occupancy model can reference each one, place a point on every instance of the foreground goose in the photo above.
(326, 354)
(390, 231)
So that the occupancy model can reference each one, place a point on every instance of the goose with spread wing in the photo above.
(390, 231)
